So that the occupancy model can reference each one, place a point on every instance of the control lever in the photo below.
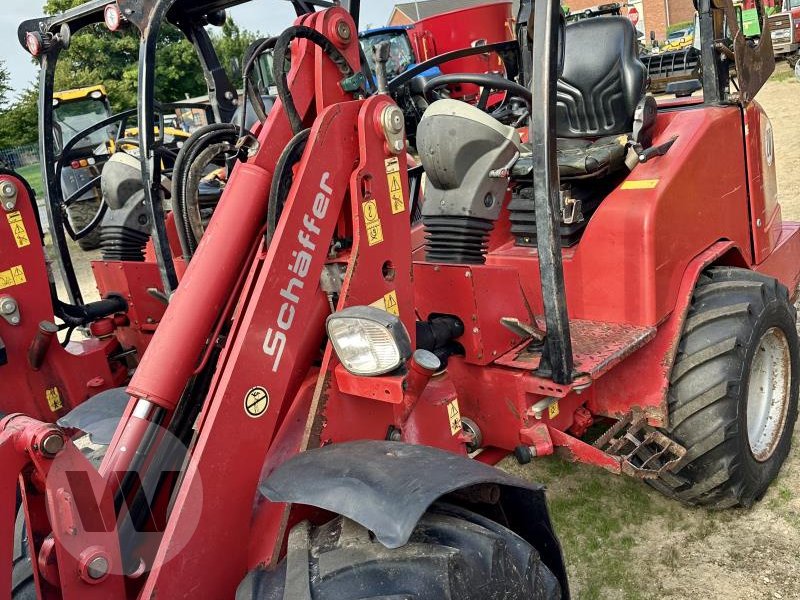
(380, 54)
(653, 151)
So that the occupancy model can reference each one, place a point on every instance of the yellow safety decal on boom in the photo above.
(639, 184)
(552, 410)
(454, 415)
(54, 399)
(372, 222)
(396, 199)
(18, 229)
(388, 303)
(11, 277)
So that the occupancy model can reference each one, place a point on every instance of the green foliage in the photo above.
(98, 56)
(677, 26)
(19, 122)
(5, 88)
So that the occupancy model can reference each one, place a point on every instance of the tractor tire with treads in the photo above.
(80, 215)
(733, 389)
(22, 584)
(453, 554)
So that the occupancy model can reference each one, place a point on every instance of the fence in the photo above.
(22, 156)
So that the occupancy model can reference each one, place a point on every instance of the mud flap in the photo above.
(99, 416)
(387, 486)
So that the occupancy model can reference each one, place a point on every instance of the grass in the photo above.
(598, 517)
(33, 175)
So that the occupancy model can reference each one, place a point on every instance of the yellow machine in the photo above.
(73, 111)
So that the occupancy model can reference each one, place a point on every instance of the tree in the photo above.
(5, 86)
(98, 56)
(231, 43)
(19, 123)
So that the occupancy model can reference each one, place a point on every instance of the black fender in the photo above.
(98, 416)
(387, 486)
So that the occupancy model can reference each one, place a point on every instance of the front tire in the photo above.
(453, 554)
(80, 215)
(733, 389)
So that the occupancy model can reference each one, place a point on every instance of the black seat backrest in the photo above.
(603, 79)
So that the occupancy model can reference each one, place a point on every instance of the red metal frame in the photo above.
(58, 379)
(629, 282)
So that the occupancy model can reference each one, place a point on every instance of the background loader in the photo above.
(314, 414)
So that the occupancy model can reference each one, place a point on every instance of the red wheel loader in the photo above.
(317, 411)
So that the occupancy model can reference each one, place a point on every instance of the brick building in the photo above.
(649, 15)
(405, 13)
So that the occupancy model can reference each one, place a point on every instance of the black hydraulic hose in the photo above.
(197, 142)
(191, 191)
(281, 66)
(251, 56)
(282, 180)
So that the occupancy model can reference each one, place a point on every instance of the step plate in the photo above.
(596, 347)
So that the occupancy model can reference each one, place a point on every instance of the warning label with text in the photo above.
(18, 229)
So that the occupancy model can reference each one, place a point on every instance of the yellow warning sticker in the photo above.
(552, 410)
(396, 199)
(388, 303)
(639, 184)
(11, 277)
(54, 399)
(372, 222)
(454, 415)
(18, 229)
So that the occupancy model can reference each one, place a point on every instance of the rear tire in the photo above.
(453, 554)
(733, 390)
(80, 215)
(22, 584)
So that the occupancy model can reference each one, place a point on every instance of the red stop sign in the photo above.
(633, 15)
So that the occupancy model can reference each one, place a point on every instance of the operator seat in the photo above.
(601, 104)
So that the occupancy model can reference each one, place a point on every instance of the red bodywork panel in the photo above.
(458, 29)
(67, 376)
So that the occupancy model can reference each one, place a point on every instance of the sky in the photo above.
(266, 16)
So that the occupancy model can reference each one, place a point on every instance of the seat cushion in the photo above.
(579, 158)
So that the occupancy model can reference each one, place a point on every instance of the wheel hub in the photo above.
(768, 393)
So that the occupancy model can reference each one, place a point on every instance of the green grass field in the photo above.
(34, 176)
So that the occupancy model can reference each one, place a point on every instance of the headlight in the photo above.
(368, 340)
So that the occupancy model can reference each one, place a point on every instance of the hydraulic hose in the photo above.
(281, 65)
(282, 181)
(251, 56)
(192, 148)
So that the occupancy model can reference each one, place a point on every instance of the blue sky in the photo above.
(267, 16)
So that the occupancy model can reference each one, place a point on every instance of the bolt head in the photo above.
(97, 567)
(343, 30)
(8, 306)
(8, 189)
(52, 444)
